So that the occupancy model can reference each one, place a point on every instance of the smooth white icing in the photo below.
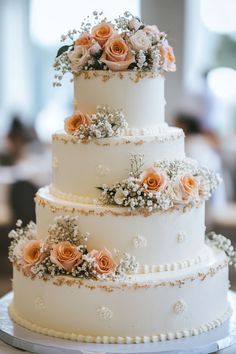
(110, 227)
(78, 171)
(143, 102)
(72, 310)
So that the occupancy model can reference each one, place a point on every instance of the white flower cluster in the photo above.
(223, 243)
(105, 123)
(170, 192)
(127, 265)
(19, 238)
(65, 228)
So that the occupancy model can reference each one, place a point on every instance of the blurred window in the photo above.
(219, 15)
(61, 16)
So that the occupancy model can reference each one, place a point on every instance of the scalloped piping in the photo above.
(119, 339)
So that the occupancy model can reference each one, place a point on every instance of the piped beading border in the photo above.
(119, 339)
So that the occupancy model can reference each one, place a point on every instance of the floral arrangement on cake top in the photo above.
(125, 44)
(167, 185)
(64, 252)
(105, 122)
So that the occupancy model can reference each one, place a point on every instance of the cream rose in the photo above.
(119, 196)
(85, 39)
(168, 58)
(153, 181)
(117, 55)
(65, 255)
(75, 121)
(102, 32)
(104, 263)
(140, 41)
(78, 57)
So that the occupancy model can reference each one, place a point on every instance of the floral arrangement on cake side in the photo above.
(167, 185)
(127, 43)
(64, 252)
(104, 123)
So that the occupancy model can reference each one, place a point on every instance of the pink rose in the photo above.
(104, 264)
(65, 255)
(117, 55)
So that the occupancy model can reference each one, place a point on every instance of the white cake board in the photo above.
(19, 337)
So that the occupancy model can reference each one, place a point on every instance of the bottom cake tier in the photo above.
(141, 308)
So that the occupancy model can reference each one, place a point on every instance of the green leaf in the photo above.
(63, 49)
(100, 188)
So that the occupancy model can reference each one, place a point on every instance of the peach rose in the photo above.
(74, 122)
(187, 188)
(85, 39)
(102, 32)
(168, 58)
(32, 252)
(117, 55)
(153, 181)
(65, 255)
(189, 185)
(78, 57)
(104, 263)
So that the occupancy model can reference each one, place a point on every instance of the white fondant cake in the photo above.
(120, 232)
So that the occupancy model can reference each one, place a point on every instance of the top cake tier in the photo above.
(141, 99)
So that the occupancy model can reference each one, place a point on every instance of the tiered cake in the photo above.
(119, 254)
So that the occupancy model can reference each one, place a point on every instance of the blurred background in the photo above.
(201, 96)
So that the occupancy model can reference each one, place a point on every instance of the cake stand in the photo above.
(16, 336)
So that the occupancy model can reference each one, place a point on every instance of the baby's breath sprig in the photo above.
(127, 265)
(223, 243)
(19, 237)
(65, 228)
(136, 165)
(105, 123)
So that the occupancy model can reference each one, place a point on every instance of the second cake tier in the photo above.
(79, 167)
(159, 241)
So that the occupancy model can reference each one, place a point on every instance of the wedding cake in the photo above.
(119, 253)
